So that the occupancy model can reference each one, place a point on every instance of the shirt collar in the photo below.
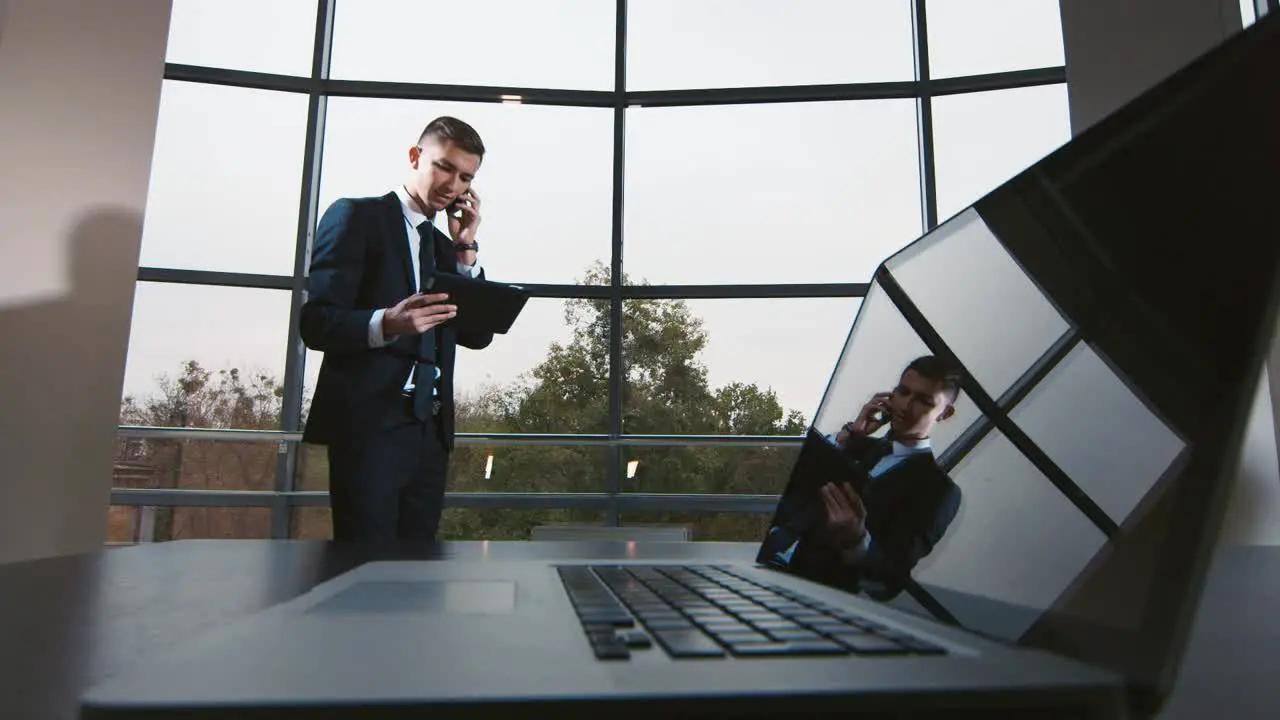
(410, 208)
(921, 447)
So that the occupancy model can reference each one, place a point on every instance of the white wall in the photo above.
(1114, 51)
(81, 86)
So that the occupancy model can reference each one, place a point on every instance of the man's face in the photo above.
(441, 172)
(918, 404)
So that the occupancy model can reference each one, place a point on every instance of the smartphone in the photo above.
(454, 209)
(878, 416)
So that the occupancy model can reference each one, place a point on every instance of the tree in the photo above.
(665, 391)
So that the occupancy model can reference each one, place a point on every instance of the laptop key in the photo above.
(871, 645)
(612, 649)
(634, 639)
(796, 635)
(800, 647)
(733, 638)
(669, 625)
(688, 643)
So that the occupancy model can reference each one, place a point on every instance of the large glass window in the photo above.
(986, 36)
(226, 176)
(728, 367)
(530, 43)
(545, 182)
(789, 192)
(269, 37)
(204, 356)
(819, 189)
(983, 139)
(673, 45)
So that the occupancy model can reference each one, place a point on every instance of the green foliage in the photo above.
(665, 391)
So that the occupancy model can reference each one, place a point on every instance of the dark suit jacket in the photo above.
(908, 507)
(360, 262)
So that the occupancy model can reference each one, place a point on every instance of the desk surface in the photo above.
(72, 621)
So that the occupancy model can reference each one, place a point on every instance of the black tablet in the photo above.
(483, 306)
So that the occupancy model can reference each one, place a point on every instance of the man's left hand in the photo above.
(846, 515)
(463, 229)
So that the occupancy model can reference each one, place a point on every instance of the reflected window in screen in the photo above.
(545, 182)
(1091, 425)
(978, 300)
(1016, 539)
(774, 193)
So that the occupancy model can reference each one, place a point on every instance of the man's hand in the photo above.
(416, 314)
(865, 423)
(463, 229)
(846, 515)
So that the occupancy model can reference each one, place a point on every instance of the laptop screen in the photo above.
(1064, 371)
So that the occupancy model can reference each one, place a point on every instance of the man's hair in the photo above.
(454, 130)
(938, 370)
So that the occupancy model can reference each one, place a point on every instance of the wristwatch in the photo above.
(463, 247)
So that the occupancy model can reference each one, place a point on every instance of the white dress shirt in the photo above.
(413, 217)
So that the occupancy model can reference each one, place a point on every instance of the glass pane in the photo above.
(269, 37)
(674, 45)
(784, 192)
(709, 527)
(987, 36)
(544, 43)
(1015, 539)
(129, 525)
(193, 464)
(513, 468)
(216, 351)
(225, 179)
(735, 367)
(1104, 438)
(875, 354)
(983, 139)
(546, 181)
(313, 523)
(714, 470)
(979, 300)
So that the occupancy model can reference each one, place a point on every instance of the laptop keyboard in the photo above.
(712, 612)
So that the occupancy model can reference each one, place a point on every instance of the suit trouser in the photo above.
(389, 483)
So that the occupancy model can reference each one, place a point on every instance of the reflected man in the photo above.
(871, 529)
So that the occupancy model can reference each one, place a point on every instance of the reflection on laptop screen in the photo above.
(1030, 425)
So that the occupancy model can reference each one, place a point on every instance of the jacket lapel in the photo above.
(398, 235)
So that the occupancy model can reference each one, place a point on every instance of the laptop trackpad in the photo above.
(470, 597)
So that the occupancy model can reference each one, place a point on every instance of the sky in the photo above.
(776, 193)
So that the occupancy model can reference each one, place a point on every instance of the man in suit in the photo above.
(869, 531)
(384, 399)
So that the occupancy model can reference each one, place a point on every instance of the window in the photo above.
(978, 300)
(735, 367)
(983, 139)
(226, 176)
(741, 43)
(531, 43)
(774, 193)
(312, 523)
(1092, 426)
(269, 37)
(493, 468)
(987, 36)
(205, 356)
(545, 183)
(705, 526)
(725, 470)
(1015, 538)
(130, 524)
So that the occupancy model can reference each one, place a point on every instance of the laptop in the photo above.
(1110, 309)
